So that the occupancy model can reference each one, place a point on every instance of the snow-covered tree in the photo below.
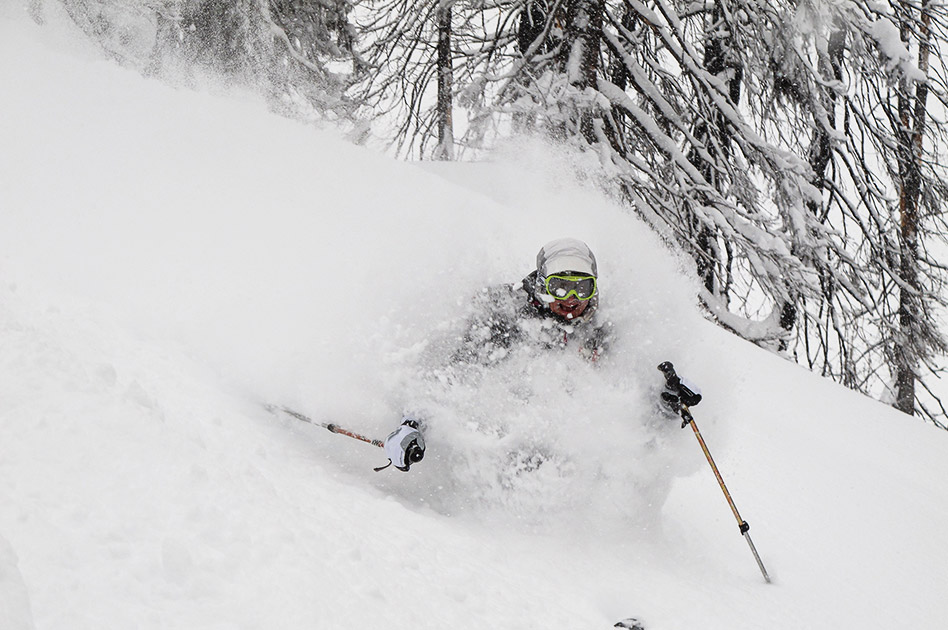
(408, 53)
(859, 77)
(298, 52)
(790, 147)
(785, 145)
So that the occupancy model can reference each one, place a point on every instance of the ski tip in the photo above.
(631, 623)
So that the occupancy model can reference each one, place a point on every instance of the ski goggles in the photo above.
(564, 287)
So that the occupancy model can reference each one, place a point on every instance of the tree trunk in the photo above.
(445, 149)
(532, 24)
(714, 135)
(910, 135)
(584, 39)
(819, 159)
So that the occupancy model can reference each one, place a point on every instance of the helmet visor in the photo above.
(564, 287)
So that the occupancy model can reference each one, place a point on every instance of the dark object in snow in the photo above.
(632, 623)
(678, 395)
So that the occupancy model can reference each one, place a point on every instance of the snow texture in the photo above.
(171, 260)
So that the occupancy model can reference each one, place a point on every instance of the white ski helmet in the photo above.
(565, 254)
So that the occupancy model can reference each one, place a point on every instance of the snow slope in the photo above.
(170, 260)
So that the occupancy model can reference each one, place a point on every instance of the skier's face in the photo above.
(570, 308)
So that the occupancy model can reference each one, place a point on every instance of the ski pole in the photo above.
(672, 379)
(334, 428)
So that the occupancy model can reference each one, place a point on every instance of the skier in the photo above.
(555, 307)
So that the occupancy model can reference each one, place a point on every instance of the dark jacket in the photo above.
(509, 315)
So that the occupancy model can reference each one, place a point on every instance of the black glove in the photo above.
(405, 445)
(677, 392)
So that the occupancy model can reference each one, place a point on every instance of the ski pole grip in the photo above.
(414, 453)
(666, 368)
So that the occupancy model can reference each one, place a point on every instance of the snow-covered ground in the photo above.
(171, 260)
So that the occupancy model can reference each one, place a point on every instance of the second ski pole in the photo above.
(674, 382)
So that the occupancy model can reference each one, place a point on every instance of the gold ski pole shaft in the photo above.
(742, 524)
(335, 428)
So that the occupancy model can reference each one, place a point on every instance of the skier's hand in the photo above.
(405, 445)
(688, 392)
(678, 391)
